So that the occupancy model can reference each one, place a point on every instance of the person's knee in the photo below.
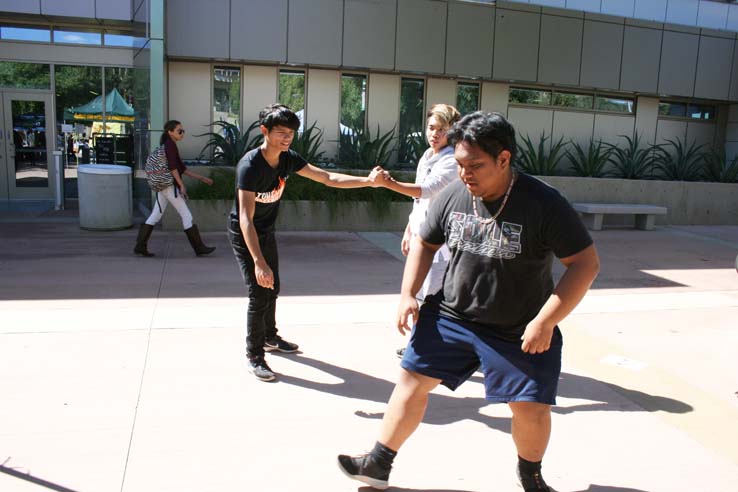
(530, 411)
(414, 385)
(259, 303)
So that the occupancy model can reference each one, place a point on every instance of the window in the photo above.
(25, 34)
(615, 104)
(530, 96)
(123, 40)
(467, 97)
(77, 37)
(227, 94)
(18, 75)
(412, 114)
(685, 110)
(353, 103)
(570, 100)
(292, 92)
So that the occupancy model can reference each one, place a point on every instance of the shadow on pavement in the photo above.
(444, 409)
(607, 488)
(34, 480)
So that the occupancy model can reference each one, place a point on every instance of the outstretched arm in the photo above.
(335, 180)
(581, 270)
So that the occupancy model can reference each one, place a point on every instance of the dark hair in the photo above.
(491, 132)
(278, 115)
(169, 126)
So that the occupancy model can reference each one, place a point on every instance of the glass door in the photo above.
(27, 146)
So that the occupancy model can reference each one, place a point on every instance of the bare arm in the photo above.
(418, 264)
(581, 270)
(334, 180)
(247, 205)
(408, 189)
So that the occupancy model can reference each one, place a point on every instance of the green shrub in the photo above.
(229, 144)
(416, 146)
(359, 150)
(677, 161)
(632, 161)
(589, 162)
(308, 143)
(717, 168)
(537, 160)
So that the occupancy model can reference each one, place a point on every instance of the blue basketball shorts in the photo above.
(452, 351)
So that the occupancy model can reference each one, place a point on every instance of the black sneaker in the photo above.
(533, 483)
(261, 371)
(364, 469)
(400, 352)
(278, 344)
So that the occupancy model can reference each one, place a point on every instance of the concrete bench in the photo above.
(592, 213)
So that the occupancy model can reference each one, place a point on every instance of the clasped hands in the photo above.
(379, 177)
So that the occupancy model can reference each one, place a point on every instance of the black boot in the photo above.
(196, 242)
(143, 237)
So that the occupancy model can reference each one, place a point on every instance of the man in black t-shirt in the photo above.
(498, 310)
(261, 176)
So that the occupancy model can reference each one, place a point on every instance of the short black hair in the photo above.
(491, 132)
(278, 115)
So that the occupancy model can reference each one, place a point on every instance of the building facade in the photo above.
(564, 69)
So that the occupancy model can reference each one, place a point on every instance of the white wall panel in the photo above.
(670, 129)
(560, 51)
(69, 8)
(495, 97)
(516, 45)
(383, 107)
(248, 37)
(25, 7)
(602, 51)
(678, 64)
(315, 32)
(713, 76)
(647, 114)
(189, 102)
(732, 18)
(586, 5)
(531, 122)
(369, 23)
(574, 126)
(641, 55)
(469, 40)
(197, 29)
(259, 90)
(421, 28)
(440, 91)
(323, 105)
(609, 128)
(114, 9)
(701, 133)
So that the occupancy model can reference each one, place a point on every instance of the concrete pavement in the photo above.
(127, 374)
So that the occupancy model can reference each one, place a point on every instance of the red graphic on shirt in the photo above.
(274, 195)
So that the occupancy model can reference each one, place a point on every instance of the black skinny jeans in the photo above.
(260, 313)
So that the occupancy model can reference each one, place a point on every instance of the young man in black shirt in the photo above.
(498, 310)
(261, 176)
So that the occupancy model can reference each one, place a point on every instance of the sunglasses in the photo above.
(180, 131)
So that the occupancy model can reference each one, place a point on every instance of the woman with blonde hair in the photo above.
(436, 169)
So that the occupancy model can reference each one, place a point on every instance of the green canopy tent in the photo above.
(117, 110)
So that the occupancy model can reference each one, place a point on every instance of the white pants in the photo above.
(167, 196)
(434, 280)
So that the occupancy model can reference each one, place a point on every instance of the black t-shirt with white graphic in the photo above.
(499, 275)
(254, 173)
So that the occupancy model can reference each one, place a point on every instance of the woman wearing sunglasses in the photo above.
(175, 194)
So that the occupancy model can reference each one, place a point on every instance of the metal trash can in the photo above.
(105, 197)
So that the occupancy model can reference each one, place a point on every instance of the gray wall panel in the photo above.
(197, 29)
(602, 53)
(734, 76)
(469, 41)
(69, 8)
(516, 45)
(315, 30)
(560, 51)
(259, 30)
(713, 73)
(678, 63)
(114, 9)
(421, 28)
(641, 54)
(369, 23)
(27, 7)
